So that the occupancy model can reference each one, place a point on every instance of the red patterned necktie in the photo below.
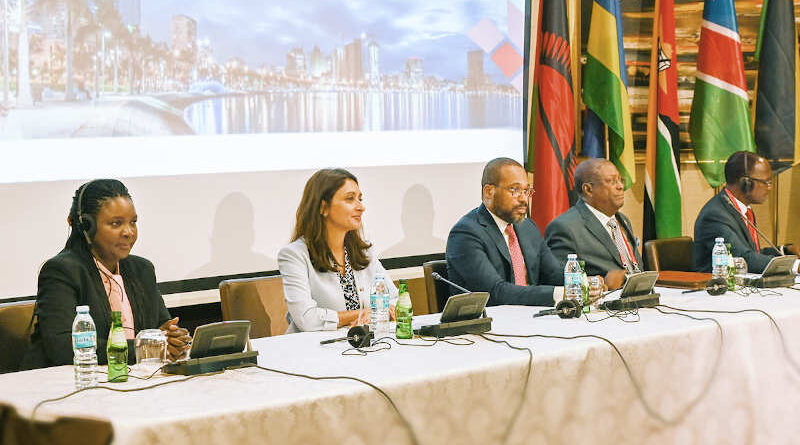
(517, 260)
(752, 227)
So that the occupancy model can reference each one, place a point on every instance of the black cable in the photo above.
(380, 391)
(637, 388)
(383, 344)
(57, 399)
(620, 315)
(789, 357)
(523, 395)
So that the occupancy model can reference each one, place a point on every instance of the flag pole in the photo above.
(775, 206)
(574, 18)
(652, 106)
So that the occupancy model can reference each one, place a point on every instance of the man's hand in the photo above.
(615, 279)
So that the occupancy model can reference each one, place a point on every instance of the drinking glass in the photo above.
(741, 269)
(151, 350)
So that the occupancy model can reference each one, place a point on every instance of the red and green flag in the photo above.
(662, 202)
(553, 155)
(720, 121)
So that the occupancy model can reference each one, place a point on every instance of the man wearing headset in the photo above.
(748, 178)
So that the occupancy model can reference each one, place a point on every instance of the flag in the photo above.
(594, 136)
(719, 124)
(553, 134)
(605, 85)
(662, 202)
(776, 97)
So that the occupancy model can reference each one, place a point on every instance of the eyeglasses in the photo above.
(516, 192)
(767, 182)
(612, 181)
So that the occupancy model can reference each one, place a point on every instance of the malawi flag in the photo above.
(720, 123)
(776, 99)
(605, 86)
(554, 127)
(662, 203)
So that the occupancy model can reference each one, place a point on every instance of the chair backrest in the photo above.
(15, 332)
(259, 300)
(438, 291)
(419, 295)
(669, 254)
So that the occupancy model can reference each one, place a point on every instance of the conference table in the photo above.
(689, 381)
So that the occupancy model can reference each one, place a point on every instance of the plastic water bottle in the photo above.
(379, 305)
(573, 279)
(731, 268)
(84, 349)
(719, 259)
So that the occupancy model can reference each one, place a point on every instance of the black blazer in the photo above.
(71, 279)
(719, 218)
(579, 231)
(478, 259)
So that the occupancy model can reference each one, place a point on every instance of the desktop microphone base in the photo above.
(773, 281)
(473, 326)
(211, 364)
(628, 303)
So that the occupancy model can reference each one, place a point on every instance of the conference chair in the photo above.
(417, 289)
(259, 300)
(15, 331)
(16, 429)
(669, 254)
(438, 291)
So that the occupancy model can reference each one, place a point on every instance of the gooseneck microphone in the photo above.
(357, 336)
(715, 286)
(750, 224)
(436, 276)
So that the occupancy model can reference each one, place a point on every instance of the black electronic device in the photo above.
(637, 292)
(570, 308)
(357, 336)
(714, 286)
(462, 314)
(216, 346)
(778, 273)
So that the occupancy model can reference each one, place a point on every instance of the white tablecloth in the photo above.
(578, 391)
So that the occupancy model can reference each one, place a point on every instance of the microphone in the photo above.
(564, 309)
(715, 286)
(749, 224)
(436, 276)
(357, 336)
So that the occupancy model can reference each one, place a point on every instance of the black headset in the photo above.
(86, 222)
(569, 308)
(746, 183)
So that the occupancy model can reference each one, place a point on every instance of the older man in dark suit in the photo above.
(594, 228)
(495, 248)
(748, 179)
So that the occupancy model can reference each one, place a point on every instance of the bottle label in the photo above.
(719, 260)
(82, 340)
(573, 279)
(118, 337)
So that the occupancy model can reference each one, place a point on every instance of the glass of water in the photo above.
(151, 350)
(740, 265)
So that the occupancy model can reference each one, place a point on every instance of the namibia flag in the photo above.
(554, 131)
(605, 85)
(720, 121)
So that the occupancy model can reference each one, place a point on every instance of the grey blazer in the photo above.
(315, 297)
(579, 231)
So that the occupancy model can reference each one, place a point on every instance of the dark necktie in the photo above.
(752, 227)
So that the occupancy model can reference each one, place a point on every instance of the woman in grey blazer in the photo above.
(328, 268)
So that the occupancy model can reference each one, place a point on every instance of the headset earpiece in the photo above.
(86, 222)
(745, 182)
(569, 308)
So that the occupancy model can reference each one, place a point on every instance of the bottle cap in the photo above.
(82, 309)
(719, 240)
(572, 256)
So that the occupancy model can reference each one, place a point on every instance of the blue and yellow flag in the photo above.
(605, 85)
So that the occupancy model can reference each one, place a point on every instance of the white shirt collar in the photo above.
(742, 207)
(501, 223)
(602, 217)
